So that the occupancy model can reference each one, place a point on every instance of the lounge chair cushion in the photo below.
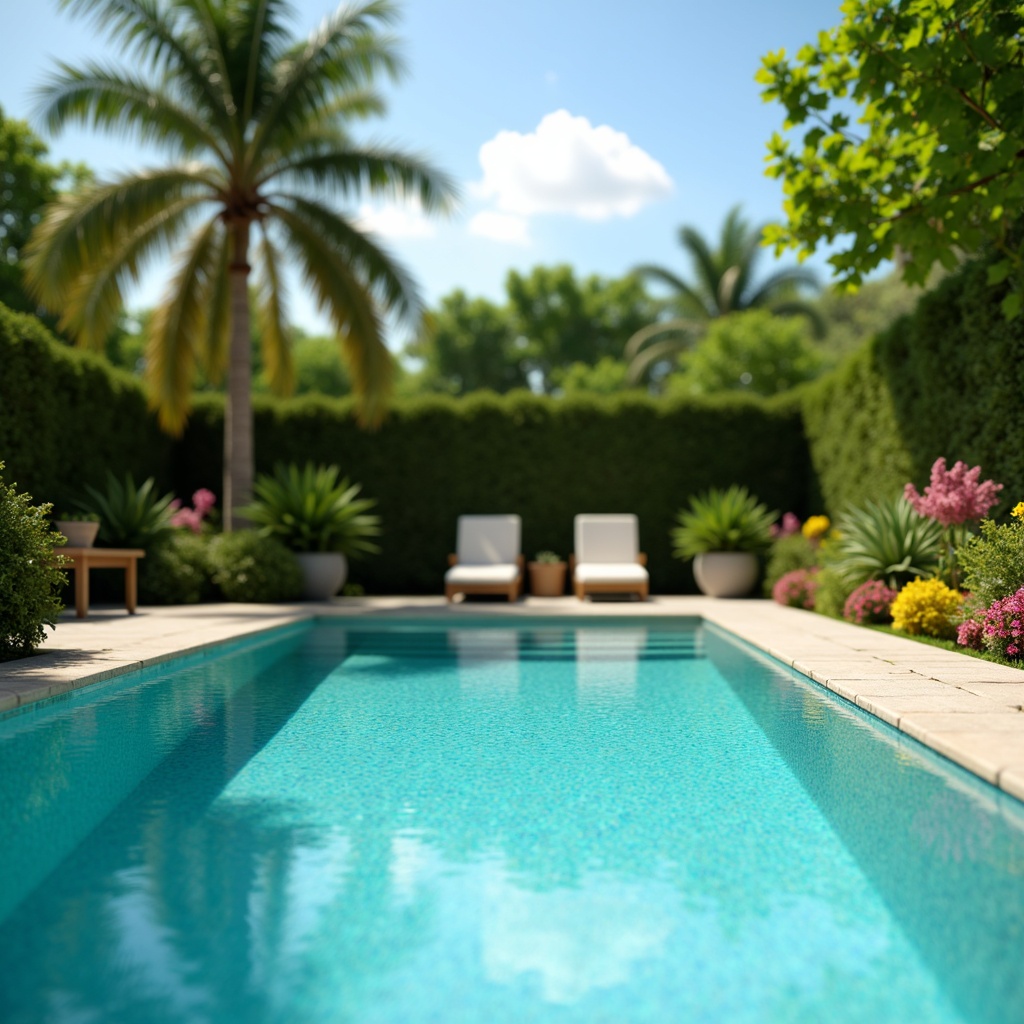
(606, 538)
(488, 540)
(611, 572)
(482, 574)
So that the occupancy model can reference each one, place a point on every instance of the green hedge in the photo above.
(66, 417)
(947, 380)
(545, 459)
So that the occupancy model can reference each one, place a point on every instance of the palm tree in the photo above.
(258, 128)
(723, 283)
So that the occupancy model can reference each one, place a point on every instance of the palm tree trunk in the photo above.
(238, 447)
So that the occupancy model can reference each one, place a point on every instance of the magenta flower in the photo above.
(797, 589)
(870, 602)
(790, 525)
(204, 500)
(954, 495)
(997, 628)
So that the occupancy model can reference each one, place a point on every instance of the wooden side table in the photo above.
(84, 559)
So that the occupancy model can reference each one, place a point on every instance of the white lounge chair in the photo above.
(607, 559)
(487, 559)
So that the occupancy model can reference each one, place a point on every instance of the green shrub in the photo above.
(29, 579)
(833, 590)
(794, 551)
(927, 608)
(993, 562)
(250, 567)
(177, 570)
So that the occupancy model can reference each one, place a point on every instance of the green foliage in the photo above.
(794, 551)
(550, 324)
(723, 520)
(885, 540)
(945, 381)
(30, 580)
(308, 509)
(993, 561)
(756, 352)
(607, 376)
(932, 166)
(66, 418)
(833, 590)
(176, 570)
(247, 566)
(547, 557)
(131, 516)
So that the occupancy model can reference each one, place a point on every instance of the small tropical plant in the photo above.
(723, 520)
(927, 608)
(548, 557)
(885, 540)
(130, 516)
(871, 602)
(30, 576)
(310, 509)
(993, 563)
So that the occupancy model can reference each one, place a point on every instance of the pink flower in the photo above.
(204, 500)
(870, 602)
(954, 495)
(188, 517)
(997, 628)
(796, 589)
(790, 525)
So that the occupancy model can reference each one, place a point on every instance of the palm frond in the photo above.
(379, 171)
(179, 320)
(349, 303)
(96, 299)
(80, 230)
(788, 278)
(344, 53)
(122, 103)
(686, 296)
(705, 263)
(794, 307)
(277, 355)
(679, 326)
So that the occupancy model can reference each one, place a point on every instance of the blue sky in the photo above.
(581, 131)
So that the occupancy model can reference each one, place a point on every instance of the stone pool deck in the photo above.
(964, 708)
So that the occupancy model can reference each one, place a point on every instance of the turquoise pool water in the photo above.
(629, 822)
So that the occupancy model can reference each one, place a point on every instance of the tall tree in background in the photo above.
(27, 183)
(723, 281)
(258, 125)
(934, 166)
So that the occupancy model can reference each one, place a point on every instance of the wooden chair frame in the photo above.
(512, 590)
(581, 589)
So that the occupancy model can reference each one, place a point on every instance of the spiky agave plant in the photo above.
(723, 520)
(310, 509)
(885, 540)
(258, 126)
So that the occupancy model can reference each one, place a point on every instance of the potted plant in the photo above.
(79, 528)
(320, 518)
(724, 531)
(547, 575)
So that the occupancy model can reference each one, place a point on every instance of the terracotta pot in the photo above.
(323, 574)
(547, 579)
(726, 573)
(79, 534)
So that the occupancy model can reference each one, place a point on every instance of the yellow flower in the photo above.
(816, 526)
(926, 608)
(1018, 510)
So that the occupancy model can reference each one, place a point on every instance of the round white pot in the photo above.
(79, 534)
(323, 574)
(725, 573)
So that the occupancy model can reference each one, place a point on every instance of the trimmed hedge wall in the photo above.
(66, 417)
(947, 380)
(542, 458)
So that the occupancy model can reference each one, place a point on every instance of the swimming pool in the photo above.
(633, 821)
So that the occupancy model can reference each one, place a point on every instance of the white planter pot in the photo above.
(725, 573)
(79, 534)
(323, 574)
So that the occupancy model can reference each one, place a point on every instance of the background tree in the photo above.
(754, 352)
(935, 164)
(27, 183)
(723, 281)
(260, 129)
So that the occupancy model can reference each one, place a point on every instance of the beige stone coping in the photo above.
(964, 708)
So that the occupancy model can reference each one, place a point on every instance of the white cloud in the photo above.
(501, 227)
(569, 166)
(393, 221)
